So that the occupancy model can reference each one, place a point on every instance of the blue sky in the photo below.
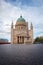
(31, 10)
(26, 2)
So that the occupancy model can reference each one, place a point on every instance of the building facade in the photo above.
(21, 34)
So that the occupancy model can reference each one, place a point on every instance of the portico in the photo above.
(20, 39)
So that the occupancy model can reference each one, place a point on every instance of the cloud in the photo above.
(11, 12)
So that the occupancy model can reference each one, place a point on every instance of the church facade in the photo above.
(21, 33)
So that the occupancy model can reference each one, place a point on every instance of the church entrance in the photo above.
(20, 39)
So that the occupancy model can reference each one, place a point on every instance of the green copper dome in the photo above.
(21, 19)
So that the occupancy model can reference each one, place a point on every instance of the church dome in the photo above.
(21, 19)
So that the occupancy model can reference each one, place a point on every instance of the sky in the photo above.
(31, 10)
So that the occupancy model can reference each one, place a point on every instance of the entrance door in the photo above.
(22, 39)
(18, 39)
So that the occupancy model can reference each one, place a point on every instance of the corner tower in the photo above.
(31, 29)
(12, 33)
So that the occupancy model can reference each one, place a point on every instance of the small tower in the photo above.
(27, 28)
(12, 33)
(31, 28)
(12, 25)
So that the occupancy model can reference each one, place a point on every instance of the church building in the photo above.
(21, 34)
